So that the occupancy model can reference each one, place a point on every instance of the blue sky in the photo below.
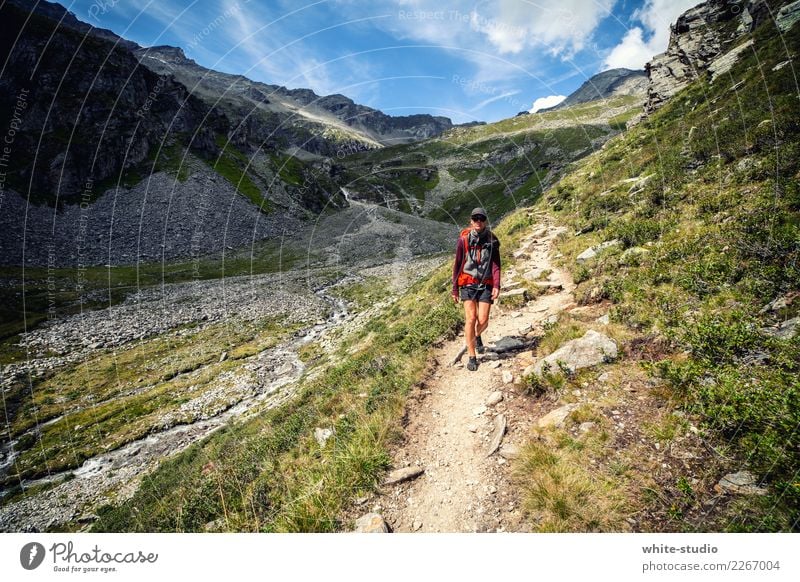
(464, 60)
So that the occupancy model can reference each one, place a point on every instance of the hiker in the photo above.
(476, 279)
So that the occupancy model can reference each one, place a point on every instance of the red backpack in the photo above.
(463, 278)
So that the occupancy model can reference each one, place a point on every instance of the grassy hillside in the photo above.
(500, 166)
(704, 200)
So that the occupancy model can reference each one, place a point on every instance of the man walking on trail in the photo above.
(476, 279)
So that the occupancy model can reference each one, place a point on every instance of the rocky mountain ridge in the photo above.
(105, 148)
(324, 116)
(611, 83)
(702, 36)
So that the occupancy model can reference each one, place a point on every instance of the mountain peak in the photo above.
(607, 84)
(166, 52)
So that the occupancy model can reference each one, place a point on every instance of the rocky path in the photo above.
(459, 418)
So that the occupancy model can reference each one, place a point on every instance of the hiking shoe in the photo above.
(479, 345)
(472, 365)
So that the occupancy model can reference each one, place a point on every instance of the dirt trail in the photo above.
(450, 423)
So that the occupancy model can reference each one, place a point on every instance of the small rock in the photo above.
(509, 451)
(632, 255)
(495, 364)
(472, 428)
(785, 330)
(498, 430)
(549, 285)
(605, 320)
(417, 525)
(322, 435)
(479, 410)
(556, 417)
(405, 474)
(495, 397)
(223, 356)
(508, 377)
(371, 523)
(586, 427)
(742, 483)
(591, 252)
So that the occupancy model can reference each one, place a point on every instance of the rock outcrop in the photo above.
(700, 37)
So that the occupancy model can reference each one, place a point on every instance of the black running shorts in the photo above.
(481, 294)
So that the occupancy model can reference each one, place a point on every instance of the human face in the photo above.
(478, 222)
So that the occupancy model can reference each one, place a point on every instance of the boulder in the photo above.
(591, 349)
(507, 344)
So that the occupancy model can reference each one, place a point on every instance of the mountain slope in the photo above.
(611, 83)
(697, 284)
(108, 153)
(699, 211)
(499, 166)
(322, 125)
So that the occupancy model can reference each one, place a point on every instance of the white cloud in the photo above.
(561, 26)
(656, 15)
(499, 27)
(545, 102)
(631, 53)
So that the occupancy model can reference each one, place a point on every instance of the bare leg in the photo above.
(482, 318)
(471, 318)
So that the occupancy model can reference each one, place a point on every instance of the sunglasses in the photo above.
(477, 218)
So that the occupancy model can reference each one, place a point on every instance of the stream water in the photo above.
(272, 387)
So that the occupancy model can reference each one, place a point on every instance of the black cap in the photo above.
(479, 212)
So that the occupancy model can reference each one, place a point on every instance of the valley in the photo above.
(233, 314)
